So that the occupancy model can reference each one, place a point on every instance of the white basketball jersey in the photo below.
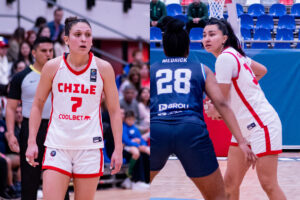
(247, 100)
(75, 121)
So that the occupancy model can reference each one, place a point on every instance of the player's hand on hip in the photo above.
(12, 142)
(211, 111)
(116, 162)
(31, 154)
(251, 158)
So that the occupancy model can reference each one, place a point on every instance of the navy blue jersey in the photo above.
(177, 86)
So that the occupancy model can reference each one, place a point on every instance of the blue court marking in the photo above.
(297, 159)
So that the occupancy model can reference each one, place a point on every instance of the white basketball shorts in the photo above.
(265, 140)
(74, 163)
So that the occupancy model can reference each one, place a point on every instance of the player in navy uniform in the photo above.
(177, 122)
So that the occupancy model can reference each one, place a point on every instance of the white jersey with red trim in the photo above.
(75, 121)
(247, 100)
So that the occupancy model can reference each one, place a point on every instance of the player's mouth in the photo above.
(82, 46)
(207, 45)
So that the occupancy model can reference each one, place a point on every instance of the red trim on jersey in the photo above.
(100, 173)
(58, 170)
(83, 70)
(234, 144)
(44, 156)
(239, 66)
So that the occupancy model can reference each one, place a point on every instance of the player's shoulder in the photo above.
(103, 65)
(51, 66)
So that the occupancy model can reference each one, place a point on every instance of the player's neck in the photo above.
(37, 66)
(218, 52)
(77, 60)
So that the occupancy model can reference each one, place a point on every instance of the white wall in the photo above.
(134, 23)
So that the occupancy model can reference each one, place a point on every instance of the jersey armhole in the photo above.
(239, 65)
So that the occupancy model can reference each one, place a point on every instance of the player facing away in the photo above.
(176, 110)
(238, 76)
(74, 139)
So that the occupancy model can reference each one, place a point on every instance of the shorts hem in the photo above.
(269, 153)
(58, 170)
(87, 175)
(204, 174)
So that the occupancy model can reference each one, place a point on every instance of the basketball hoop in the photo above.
(216, 8)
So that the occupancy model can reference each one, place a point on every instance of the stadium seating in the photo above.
(174, 9)
(287, 21)
(277, 10)
(155, 34)
(196, 34)
(284, 34)
(239, 9)
(295, 10)
(247, 21)
(246, 33)
(181, 17)
(265, 21)
(261, 34)
(256, 10)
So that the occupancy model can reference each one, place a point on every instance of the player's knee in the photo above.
(8, 162)
(268, 186)
(135, 153)
(231, 183)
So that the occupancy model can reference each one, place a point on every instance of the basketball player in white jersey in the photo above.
(238, 77)
(74, 139)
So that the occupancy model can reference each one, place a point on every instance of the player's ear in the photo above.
(66, 39)
(225, 38)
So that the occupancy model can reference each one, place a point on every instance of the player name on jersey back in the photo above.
(174, 60)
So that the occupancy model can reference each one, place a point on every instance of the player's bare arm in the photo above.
(258, 69)
(11, 108)
(214, 93)
(113, 106)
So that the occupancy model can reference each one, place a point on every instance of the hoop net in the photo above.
(216, 8)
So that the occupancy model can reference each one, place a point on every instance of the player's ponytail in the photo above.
(176, 40)
(226, 29)
(70, 21)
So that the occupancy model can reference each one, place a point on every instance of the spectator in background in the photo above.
(137, 59)
(137, 148)
(197, 15)
(31, 37)
(44, 31)
(10, 189)
(144, 110)
(39, 22)
(134, 78)
(59, 45)
(25, 53)
(3, 178)
(55, 26)
(5, 65)
(18, 66)
(14, 44)
(145, 75)
(128, 102)
(157, 13)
